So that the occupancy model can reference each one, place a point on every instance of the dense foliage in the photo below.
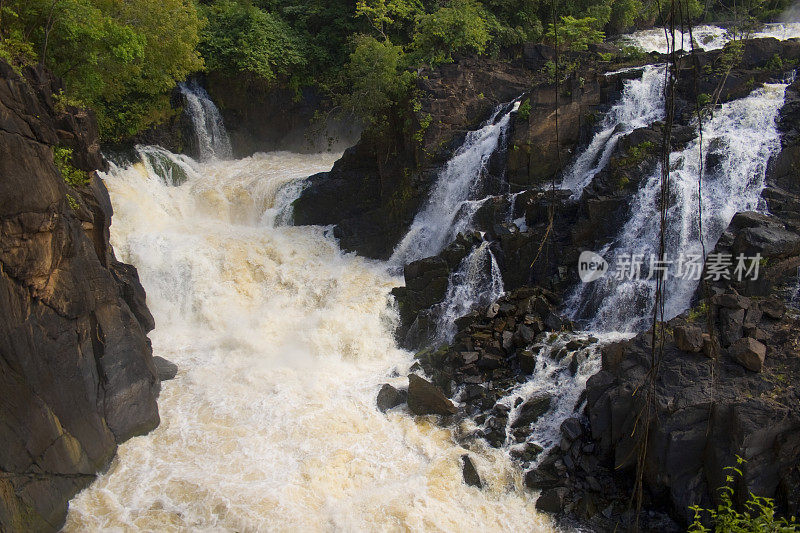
(123, 58)
(120, 58)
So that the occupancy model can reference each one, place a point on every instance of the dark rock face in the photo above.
(260, 117)
(707, 411)
(424, 398)
(76, 370)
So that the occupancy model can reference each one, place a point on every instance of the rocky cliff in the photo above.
(76, 369)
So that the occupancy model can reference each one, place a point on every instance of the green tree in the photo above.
(463, 26)
(385, 15)
(120, 58)
(378, 79)
(574, 34)
(244, 38)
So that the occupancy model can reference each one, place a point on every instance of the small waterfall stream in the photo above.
(476, 283)
(457, 193)
(210, 136)
(641, 104)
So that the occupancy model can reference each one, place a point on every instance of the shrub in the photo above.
(758, 516)
(62, 157)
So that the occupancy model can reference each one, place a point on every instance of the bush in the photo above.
(759, 515)
(62, 157)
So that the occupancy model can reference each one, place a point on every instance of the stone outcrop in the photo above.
(76, 370)
(261, 117)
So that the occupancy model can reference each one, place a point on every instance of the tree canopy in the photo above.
(123, 58)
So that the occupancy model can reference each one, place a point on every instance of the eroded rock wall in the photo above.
(76, 369)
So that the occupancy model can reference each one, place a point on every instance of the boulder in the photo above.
(470, 474)
(390, 397)
(527, 361)
(571, 429)
(731, 323)
(552, 500)
(532, 410)
(166, 370)
(689, 338)
(749, 353)
(424, 398)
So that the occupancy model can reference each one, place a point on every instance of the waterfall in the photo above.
(705, 37)
(457, 193)
(737, 144)
(477, 282)
(641, 104)
(282, 342)
(209, 132)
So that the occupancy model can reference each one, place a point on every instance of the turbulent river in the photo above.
(282, 343)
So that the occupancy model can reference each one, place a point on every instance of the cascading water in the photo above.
(457, 193)
(282, 343)
(210, 136)
(737, 144)
(477, 282)
(705, 37)
(641, 104)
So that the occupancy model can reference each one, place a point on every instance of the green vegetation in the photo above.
(123, 58)
(73, 203)
(120, 58)
(758, 514)
(62, 157)
(637, 153)
(524, 111)
(575, 34)
(699, 312)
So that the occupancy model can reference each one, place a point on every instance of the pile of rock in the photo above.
(717, 394)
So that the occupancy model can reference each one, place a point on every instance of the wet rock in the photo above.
(578, 358)
(527, 361)
(540, 478)
(390, 397)
(552, 500)
(166, 369)
(571, 429)
(532, 410)
(731, 324)
(749, 353)
(424, 398)
(689, 338)
(469, 472)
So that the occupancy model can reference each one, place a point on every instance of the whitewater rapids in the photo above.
(282, 343)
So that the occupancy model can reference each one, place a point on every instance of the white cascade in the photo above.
(705, 37)
(641, 104)
(476, 283)
(282, 342)
(738, 140)
(208, 128)
(456, 195)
